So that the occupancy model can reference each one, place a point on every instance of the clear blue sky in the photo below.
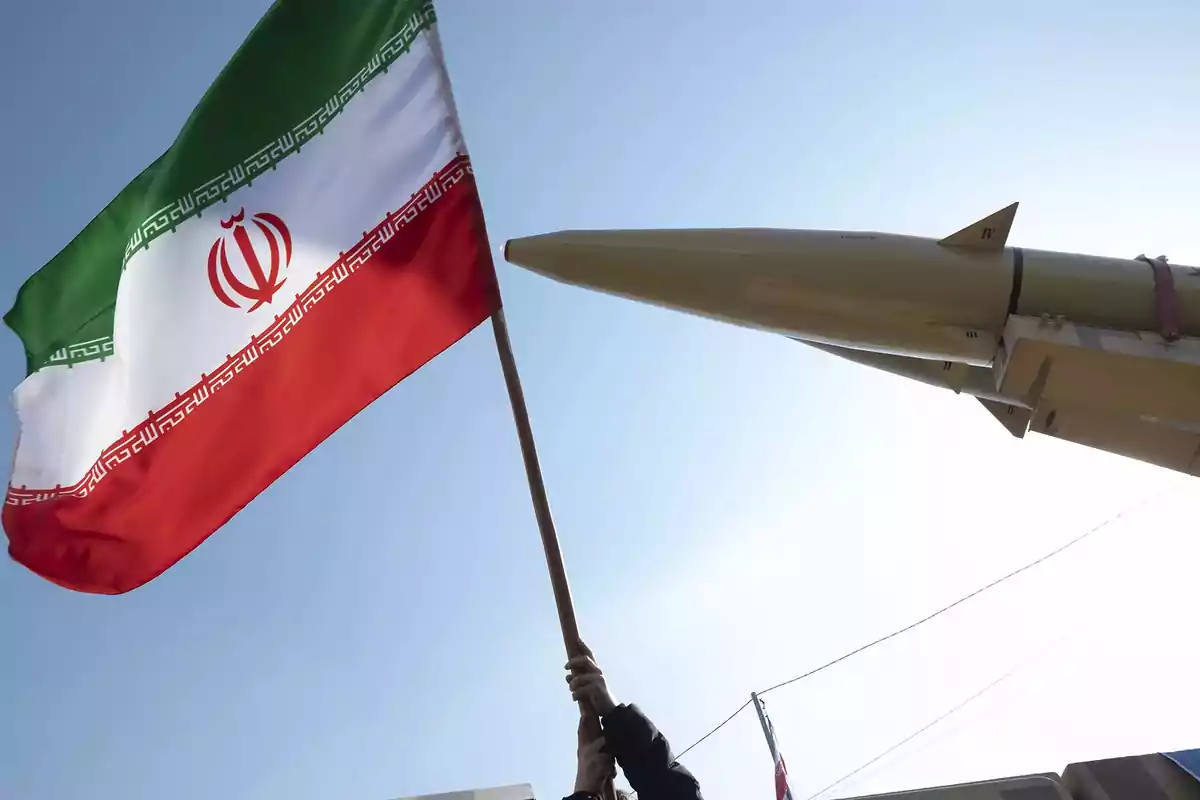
(734, 508)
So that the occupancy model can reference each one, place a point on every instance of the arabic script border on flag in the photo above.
(243, 173)
(160, 422)
(290, 141)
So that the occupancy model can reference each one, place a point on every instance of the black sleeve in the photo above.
(645, 757)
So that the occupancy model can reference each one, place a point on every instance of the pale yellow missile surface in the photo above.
(1101, 351)
(898, 294)
(906, 295)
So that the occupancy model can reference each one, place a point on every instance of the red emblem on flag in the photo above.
(264, 283)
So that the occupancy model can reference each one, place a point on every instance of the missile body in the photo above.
(888, 293)
(1104, 352)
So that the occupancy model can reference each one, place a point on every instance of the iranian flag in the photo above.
(311, 238)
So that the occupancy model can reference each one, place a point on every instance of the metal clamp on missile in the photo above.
(1166, 304)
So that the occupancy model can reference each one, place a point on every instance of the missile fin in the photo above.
(989, 233)
(1014, 418)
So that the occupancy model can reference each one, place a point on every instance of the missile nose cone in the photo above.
(637, 264)
(548, 254)
(882, 292)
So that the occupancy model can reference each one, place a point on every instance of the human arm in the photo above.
(639, 747)
(645, 756)
(594, 767)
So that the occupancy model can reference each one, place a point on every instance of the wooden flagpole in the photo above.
(541, 509)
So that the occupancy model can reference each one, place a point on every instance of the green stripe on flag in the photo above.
(295, 72)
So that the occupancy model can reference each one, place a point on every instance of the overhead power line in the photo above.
(916, 733)
(960, 600)
(727, 720)
(1116, 517)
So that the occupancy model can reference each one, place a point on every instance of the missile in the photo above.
(1101, 351)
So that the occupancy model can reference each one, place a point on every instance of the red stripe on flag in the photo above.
(422, 291)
